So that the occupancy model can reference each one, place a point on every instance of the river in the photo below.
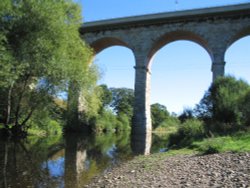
(69, 161)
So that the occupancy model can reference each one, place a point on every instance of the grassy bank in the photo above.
(239, 142)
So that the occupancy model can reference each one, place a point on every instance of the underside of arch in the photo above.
(242, 33)
(175, 36)
(106, 42)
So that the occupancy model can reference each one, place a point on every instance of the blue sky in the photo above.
(177, 81)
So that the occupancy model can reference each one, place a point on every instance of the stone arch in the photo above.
(106, 42)
(237, 62)
(175, 36)
(242, 33)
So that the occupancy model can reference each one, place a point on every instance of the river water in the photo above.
(69, 161)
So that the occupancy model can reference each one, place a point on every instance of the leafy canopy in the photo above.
(225, 103)
(159, 114)
(40, 53)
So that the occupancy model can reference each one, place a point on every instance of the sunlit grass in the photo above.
(236, 143)
(239, 142)
(183, 151)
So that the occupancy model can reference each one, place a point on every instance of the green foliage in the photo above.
(90, 96)
(239, 142)
(106, 96)
(221, 106)
(186, 114)
(210, 146)
(115, 109)
(245, 106)
(170, 125)
(109, 122)
(41, 51)
(123, 123)
(122, 101)
(189, 131)
(105, 122)
(159, 114)
(46, 121)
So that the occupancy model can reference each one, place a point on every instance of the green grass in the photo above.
(183, 151)
(239, 142)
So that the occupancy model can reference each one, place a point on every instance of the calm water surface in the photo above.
(71, 161)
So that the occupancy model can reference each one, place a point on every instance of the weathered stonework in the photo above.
(215, 29)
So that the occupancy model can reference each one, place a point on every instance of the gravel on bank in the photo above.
(159, 170)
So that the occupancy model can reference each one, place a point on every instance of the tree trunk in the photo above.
(27, 118)
(5, 165)
(19, 100)
(8, 108)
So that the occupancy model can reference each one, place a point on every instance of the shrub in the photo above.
(159, 114)
(170, 125)
(123, 123)
(210, 146)
(245, 106)
(222, 105)
(188, 132)
(105, 122)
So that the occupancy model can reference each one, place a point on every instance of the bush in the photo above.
(210, 146)
(219, 128)
(159, 114)
(105, 122)
(123, 123)
(245, 106)
(186, 114)
(223, 105)
(170, 125)
(188, 132)
(109, 122)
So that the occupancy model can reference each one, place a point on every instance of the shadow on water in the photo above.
(71, 161)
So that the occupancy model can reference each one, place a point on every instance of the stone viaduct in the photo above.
(215, 29)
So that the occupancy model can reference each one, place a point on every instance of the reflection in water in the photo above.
(160, 142)
(75, 159)
(141, 144)
(70, 162)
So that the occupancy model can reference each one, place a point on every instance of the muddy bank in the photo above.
(160, 170)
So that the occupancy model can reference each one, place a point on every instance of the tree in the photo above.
(245, 106)
(222, 103)
(106, 95)
(122, 101)
(186, 114)
(159, 114)
(41, 52)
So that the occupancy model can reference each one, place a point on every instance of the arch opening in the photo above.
(176, 36)
(238, 59)
(116, 70)
(181, 73)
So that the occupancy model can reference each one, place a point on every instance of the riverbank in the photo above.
(191, 170)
